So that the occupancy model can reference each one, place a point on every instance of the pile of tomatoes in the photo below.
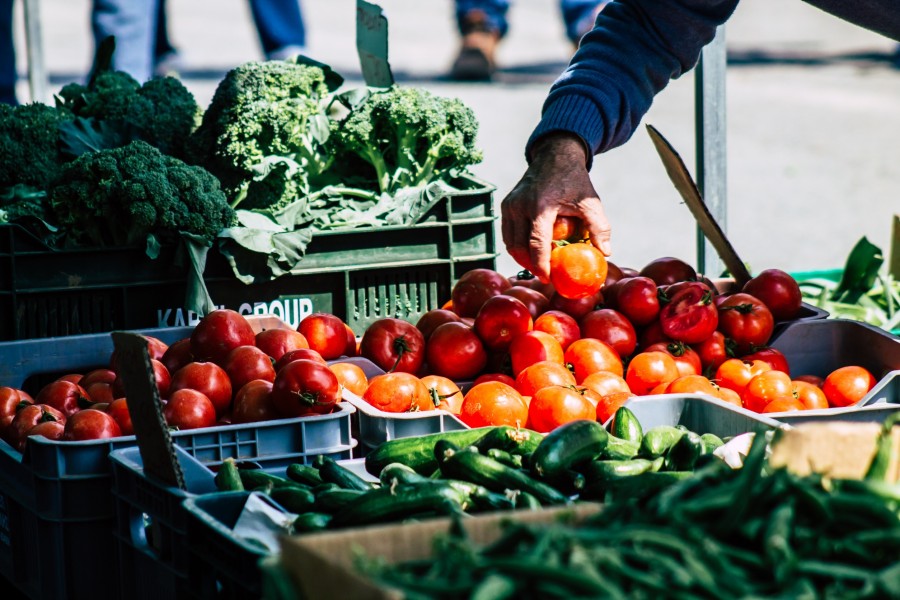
(223, 373)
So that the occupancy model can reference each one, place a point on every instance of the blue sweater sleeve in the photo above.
(636, 48)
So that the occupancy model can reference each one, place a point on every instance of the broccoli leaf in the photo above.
(81, 135)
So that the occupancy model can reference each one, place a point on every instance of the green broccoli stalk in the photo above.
(407, 137)
(264, 131)
(123, 196)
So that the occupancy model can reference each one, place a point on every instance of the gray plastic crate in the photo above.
(875, 413)
(701, 414)
(374, 426)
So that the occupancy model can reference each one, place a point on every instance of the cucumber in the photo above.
(485, 471)
(510, 460)
(332, 472)
(331, 501)
(418, 452)
(619, 449)
(305, 474)
(311, 521)
(252, 479)
(658, 440)
(626, 426)
(384, 505)
(526, 501)
(711, 442)
(401, 474)
(514, 440)
(294, 499)
(228, 477)
(601, 473)
(684, 453)
(567, 447)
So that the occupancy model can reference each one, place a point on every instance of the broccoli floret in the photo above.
(407, 137)
(119, 197)
(162, 112)
(29, 137)
(23, 201)
(263, 132)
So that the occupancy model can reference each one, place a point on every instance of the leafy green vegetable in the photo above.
(29, 135)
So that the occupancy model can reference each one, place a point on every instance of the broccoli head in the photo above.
(263, 132)
(406, 137)
(162, 112)
(29, 136)
(119, 197)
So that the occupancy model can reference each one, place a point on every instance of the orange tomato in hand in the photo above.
(577, 270)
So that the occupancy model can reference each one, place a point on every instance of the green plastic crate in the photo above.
(828, 275)
(359, 275)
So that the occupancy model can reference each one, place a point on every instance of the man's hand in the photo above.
(556, 183)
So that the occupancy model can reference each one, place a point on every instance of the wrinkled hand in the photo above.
(556, 183)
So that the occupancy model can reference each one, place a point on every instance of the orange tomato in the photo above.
(649, 369)
(533, 347)
(589, 355)
(783, 405)
(351, 377)
(766, 388)
(445, 394)
(604, 383)
(735, 374)
(692, 384)
(577, 270)
(847, 385)
(493, 403)
(398, 392)
(541, 375)
(810, 396)
(730, 396)
(610, 403)
(556, 405)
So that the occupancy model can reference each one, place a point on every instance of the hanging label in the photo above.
(372, 44)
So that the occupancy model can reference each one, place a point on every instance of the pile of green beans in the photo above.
(720, 533)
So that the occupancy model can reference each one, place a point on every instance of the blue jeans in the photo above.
(133, 23)
(279, 24)
(574, 13)
(7, 54)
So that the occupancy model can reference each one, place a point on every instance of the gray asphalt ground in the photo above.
(812, 103)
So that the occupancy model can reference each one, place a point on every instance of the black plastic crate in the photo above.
(359, 275)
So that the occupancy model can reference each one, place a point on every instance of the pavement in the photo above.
(811, 111)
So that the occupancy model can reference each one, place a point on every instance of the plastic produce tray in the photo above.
(374, 426)
(701, 414)
(880, 403)
(359, 275)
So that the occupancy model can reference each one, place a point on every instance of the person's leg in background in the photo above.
(8, 74)
(579, 16)
(280, 27)
(481, 23)
(165, 56)
(133, 23)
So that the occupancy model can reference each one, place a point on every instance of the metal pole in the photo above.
(709, 88)
(37, 74)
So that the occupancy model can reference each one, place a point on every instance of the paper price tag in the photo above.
(372, 44)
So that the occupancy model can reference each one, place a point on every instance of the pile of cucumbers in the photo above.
(476, 470)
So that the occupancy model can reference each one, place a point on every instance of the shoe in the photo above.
(285, 53)
(475, 61)
(167, 65)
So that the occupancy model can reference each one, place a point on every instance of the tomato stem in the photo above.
(401, 348)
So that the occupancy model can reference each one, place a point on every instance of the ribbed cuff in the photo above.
(573, 114)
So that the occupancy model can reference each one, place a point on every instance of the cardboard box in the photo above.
(838, 450)
(321, 565)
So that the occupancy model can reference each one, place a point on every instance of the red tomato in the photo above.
(91, 424)
(26, 418)
(652, 334)
(118, 410)
(432, 319)
(299, 354)
(577, 270)
(64, 396)
(493, 403)
(455, 351)
(528, 280)
(305, 387)
(160, 374)
(156, 348)
(534, 301)
(767, 387)
(97, 375)
(614, 273)
(648, 370)
(610, 403)
(637, 299)
(100, 392)
(813, 379)
(557, 405)
(560, 325)
(532, 347)
(778, 291)
(735, 374)
(325, 333)
(501, 319)
(569, 229)
(775, 358)
(209, 379)
(71, 378)
(52, 430)
(714, 350)
(246, 363)
(445, 393)
(277, 342)
(12, 400)
(218, 333)
(576, 308)
(393, 345)
(612, 327)
(690, 316)
(189, 409)
(474, 288)
(810, 396)
(589, 355)
(847, 385)
(397, 392)
(178, 355)
(542, 374)
(253, 403)
(668, 270)
(350, 376)
(502, 377)
(352, 347)
(730, 396)
(686, 359)
(745, 320)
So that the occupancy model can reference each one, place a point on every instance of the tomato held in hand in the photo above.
(189, 409)
(577, 270)
(557, 405)
(394, 345)
(745, 320)
(305, 387)
(493, 403)
(91, 424)
(209, 379)
(253, 403)
(325, 333)
(569, 229)
(501, 319)
(690, 316)
(847, 385)
(474, 288)
(218, 333)
(612, 327)
(397, 392)
(246, 363)
(778, 291)
(277, 342)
